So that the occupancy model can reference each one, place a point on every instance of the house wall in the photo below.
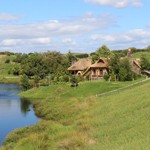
(97, 73)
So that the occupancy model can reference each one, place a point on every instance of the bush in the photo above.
(25, 83)
(74, 81)
(7, 61)
(106, 77)
(65, 78)
(16, 70)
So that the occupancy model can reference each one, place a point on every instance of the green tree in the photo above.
(104, 51)
(125, 71)
(16, 70)
(36, 80)
(115, 65)
(145, 63)
(25, 83)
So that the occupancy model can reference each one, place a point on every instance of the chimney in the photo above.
(129, 53)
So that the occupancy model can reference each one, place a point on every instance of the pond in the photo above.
(15, 112)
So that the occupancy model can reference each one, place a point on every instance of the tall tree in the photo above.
(145, 63)
(104, 51)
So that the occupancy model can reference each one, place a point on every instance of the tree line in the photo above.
(52, 66)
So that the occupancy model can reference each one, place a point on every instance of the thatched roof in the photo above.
(136, 62)
(81, 64)
(101, 63)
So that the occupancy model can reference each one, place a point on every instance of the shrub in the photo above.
(65, 78)
(7, 61)
(74, 81)
(106, 77)
(25, 83)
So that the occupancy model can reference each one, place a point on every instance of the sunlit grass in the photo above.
(75, 119)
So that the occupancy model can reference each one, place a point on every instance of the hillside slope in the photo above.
(117, 121)
(121, 120)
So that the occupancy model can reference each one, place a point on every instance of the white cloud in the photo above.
(117, 3)
(9, 42)
(134, 38)
(69, 41)
(53, 34)
(8, 17)
(43, 40)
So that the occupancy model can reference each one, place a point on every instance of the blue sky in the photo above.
(75, 25)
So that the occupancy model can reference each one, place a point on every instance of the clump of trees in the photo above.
(103, 51)
(120, 69)
(51, 66)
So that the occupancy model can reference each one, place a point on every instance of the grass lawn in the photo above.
(5, 77)
(75, 119)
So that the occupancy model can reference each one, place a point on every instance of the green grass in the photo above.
(74, 118)
(5, 77)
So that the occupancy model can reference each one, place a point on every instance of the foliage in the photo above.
(7, 61)
(106, 77)
(64, 78)
(145, 63)
(74, 81)
(82, 55)
(36, 80)
(24, 83)
(125, 71)
(43, 64)
(16, 70)
(120, 69)
(103, 51)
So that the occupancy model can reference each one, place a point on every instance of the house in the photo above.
(98, 69)
(135, 64)
(85, 68)
(78, 67)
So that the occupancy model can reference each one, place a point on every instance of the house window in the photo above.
(101, 72)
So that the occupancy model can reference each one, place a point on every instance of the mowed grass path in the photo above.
(75, 119)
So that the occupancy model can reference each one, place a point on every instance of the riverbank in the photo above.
(74, 118)
(9, 79)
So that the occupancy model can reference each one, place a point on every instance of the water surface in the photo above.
(15, 112)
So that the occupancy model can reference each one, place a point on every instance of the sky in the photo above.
(80, 26)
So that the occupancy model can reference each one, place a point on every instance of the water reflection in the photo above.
(25, 105)
(15, 112)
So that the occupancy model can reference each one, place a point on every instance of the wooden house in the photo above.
(79, 67)
(98, 69)
(85, 68)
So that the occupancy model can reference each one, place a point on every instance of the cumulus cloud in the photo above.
(133, 38)
(69, 41)
(9, 17)
(53, 32)
(117, 3)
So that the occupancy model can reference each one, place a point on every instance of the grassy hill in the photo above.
(5, 68)
(74, 118)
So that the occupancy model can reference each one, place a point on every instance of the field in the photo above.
(5, 77)
(75, 119)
